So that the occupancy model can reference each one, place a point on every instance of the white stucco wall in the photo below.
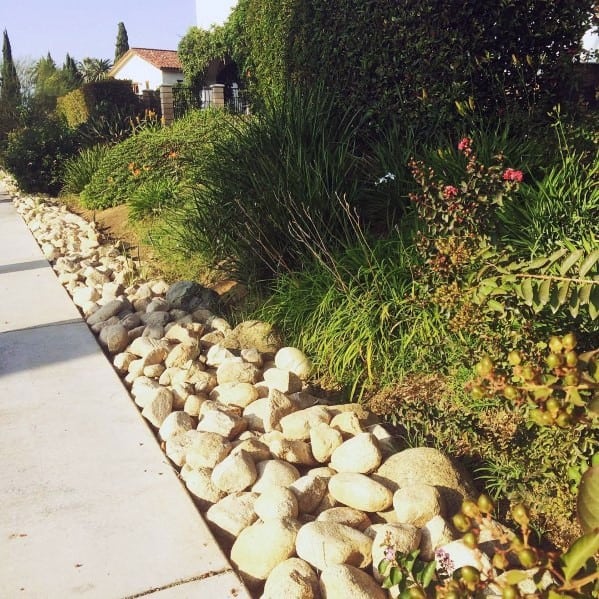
(145, 75)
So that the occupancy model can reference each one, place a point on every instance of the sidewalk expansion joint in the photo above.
(181, 582)
(59, 323)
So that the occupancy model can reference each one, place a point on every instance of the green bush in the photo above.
(559, 206)
(79, 169)
(36, 153)
(414, 59)
(152, 199)
(152, 155)
(100, 98)
(362, 317)
(269, 194)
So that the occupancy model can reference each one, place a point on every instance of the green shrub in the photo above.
(269, 195)
(560, 206)
(36, 153)
(414, 59)
(154, 154)
(100, 98)
(79, 170)
(361, 315)
(152, 199)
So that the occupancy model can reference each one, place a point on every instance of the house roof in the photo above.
(165, 60)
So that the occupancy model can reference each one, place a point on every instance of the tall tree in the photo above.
(71, 74)
(10, 90)
(122, 42)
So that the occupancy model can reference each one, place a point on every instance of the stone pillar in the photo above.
(167, 106)
(218, 95)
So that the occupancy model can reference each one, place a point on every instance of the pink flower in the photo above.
(449, 191)
(464, 144)
(511, 174)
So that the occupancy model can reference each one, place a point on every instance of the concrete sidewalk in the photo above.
(89, 504)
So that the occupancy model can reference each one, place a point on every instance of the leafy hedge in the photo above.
(418, 58)
(99, 98)
(154, 154)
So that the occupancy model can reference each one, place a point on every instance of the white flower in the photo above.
(385, 179)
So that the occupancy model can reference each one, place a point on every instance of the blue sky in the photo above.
(88, 28)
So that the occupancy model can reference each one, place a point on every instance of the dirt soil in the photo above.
(112, 224)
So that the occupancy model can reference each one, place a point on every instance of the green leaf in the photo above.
(496, 306)
(594, 302)
(537, 263)
(395, 576)
(572, 259)
(383, 567)
(544, 291)
(557, 255)
(587, 503)
(554, 299)
(527, 292)
(588, 263)
(563, 292)
(576, 557)
(584, 294)
(514, 577)
(428, 574)
(574, 303)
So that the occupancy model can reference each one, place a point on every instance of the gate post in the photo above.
(167, 106)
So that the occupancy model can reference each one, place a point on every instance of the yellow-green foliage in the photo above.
(99, 98)
(74, 107)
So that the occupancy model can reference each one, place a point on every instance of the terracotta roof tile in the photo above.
(167, 60)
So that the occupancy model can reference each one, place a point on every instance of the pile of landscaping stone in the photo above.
(305, 497)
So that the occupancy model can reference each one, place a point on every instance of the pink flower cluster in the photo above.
(464, 145)
(449, 191)
(511, 174)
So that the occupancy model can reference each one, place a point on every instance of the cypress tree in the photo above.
(122, 42)
(10, 90)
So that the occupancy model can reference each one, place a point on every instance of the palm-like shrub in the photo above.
(79, 170)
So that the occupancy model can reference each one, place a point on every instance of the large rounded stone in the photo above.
(295, 452)
(360, 492)
(235, 394)
(324, 440)
(298, 425)
(404, 538)
(435, 533)
(426, 465)
(294, 360)
(343, 581)
(254, 334)
(346, 515)
(231, 514)
(274, 472)
(417, 504)
(309, 491)
(276, 502)
(324, 544)
(235, 473)
(358, 454)
(292, 579)
(189, 296)
(176, 423)
(261, 547)
(200, 485)
(265, 413)
(235, 370)
(115, 338)
(206, 450)
(107, 310)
